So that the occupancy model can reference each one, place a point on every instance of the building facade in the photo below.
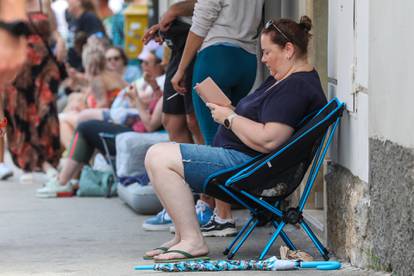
(363, 52)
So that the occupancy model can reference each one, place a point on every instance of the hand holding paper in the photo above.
(209, 92)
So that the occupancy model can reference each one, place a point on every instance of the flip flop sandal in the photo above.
(163, 249)
(187, 257)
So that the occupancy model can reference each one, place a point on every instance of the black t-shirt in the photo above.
(288, 102)
(87, 23)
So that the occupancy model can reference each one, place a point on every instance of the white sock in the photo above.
(221, 220)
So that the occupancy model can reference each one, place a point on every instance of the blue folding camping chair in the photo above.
(262, 183)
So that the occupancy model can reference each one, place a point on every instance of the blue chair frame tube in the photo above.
(318, 164)
(272, 240)
(238, 236)
(284, 237)
(264, 204)
(322, 250)
(236, 198)
(243, 239)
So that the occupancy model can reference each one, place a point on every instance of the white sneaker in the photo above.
(54, 189)
(5, 171)
(51, 173)
(27, 178)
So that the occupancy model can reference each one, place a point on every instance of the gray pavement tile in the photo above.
(98, 236)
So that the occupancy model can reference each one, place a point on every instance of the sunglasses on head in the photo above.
(115, 58)
(270, 23)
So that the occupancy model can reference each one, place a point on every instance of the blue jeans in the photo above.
(200, 161)
(234, 71)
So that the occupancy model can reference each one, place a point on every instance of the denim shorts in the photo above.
(200, 161)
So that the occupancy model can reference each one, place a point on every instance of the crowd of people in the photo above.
(77, 83)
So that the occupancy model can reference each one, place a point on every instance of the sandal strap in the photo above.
(185, 254)
(164, 249)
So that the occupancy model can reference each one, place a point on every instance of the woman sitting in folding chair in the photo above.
(260, 123)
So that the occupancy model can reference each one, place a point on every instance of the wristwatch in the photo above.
(16, 28)
(227, 122)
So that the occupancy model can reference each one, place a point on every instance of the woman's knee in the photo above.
(87, 115)
(162, 155)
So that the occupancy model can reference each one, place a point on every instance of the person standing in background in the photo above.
(13, 45)
(223, 37)
(83, 20)
(12, 56)
(30, 102)
(178, 113)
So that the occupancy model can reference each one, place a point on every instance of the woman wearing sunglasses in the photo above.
(117, 61)
(260, 123)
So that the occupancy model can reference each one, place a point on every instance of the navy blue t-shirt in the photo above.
(290, 101)
(88, 23)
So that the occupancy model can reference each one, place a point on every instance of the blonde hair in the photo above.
(93, 60)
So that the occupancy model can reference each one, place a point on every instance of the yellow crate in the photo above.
(136, 22)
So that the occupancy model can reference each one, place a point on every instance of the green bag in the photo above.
(96, 183)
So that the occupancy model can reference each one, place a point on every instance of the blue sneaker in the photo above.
(160, 222)
(204, 214)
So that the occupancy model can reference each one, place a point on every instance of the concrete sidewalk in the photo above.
(96, 236)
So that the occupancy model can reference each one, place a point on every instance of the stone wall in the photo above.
(347, 217)
(392, 206)
(372, 225)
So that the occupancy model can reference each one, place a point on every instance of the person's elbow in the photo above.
(152, 127)
(270, 146)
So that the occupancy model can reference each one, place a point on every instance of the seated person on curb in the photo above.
(102, 88)
(120, 109)
(86, 139)
(260, 123)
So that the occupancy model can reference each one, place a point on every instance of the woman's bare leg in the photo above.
(176, 127)
(90, 114)
(70, 169)
(192, 125)
(67, 122)
(164, 165)
(223, 209)
(2, 146)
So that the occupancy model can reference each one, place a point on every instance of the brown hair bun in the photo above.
(306, 23)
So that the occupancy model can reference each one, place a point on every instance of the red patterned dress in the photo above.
(30, 105)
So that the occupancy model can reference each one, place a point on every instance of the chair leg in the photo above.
(322, 250)
(284, 237)
(227, 250)
(272, 240)
(243, 239)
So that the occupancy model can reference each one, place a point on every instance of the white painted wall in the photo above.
(391, 74)
(348, 80)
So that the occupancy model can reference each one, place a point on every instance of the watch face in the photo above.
(227, 123)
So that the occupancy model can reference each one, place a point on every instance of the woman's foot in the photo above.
(55, 189)
(27, 178)
(196, 249)
(159, 251)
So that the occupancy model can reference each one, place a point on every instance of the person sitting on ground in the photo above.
(121, 112)
(86, 138)
(260, 123)
(117, 61)
(101, 91)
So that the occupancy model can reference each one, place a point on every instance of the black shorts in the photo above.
(176, 37)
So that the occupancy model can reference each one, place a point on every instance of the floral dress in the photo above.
(30, 105)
